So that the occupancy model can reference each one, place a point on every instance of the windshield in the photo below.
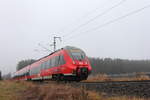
(77, 54)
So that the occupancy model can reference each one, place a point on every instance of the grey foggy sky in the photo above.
(25, 23)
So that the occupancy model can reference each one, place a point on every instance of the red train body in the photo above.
(69, 63)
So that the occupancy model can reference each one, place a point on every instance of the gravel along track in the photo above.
(129, 88)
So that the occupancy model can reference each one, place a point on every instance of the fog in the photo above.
(26, 23)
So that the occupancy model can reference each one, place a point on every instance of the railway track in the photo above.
(114, 88)
(101, 82)
(130, 88)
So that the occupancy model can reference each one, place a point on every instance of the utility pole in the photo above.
(54, 43)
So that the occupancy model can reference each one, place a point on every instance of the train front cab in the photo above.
(78, 64)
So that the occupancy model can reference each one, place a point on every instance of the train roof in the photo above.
(66, 48)
(70, 47)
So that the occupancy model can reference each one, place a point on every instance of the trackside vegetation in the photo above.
(118, 66)
(20, 90)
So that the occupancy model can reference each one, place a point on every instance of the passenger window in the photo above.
(57, 61)
(50, 63)
(45, 64)
(42, 66)
(62, 60)
(53, 62)
(35, 70)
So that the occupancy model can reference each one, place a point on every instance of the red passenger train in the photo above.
(68, 63)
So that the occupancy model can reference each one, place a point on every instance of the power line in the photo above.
(99, 15)
(114, 20)
(37, 50)
(44, 47)
(84, 16)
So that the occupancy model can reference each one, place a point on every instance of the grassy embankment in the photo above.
(28, 91)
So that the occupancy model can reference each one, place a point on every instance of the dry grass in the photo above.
(98, 78)
(105, 77)
(9, 90)
(30, 91)
(124, 98)
(54, 91)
